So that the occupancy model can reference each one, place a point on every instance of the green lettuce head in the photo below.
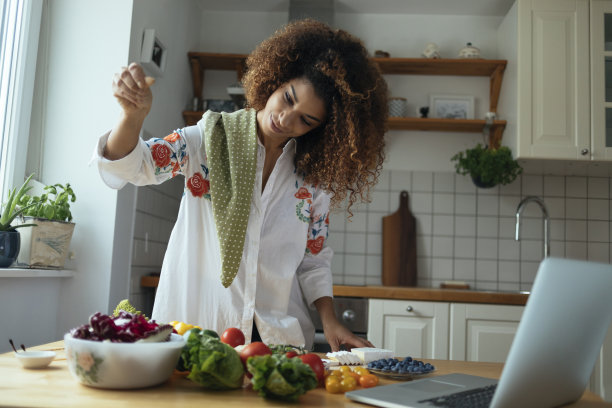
(213, 365)
(280, 377)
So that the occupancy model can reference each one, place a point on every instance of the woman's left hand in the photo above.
(338, 335)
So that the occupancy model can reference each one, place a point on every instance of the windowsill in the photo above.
(35, 273)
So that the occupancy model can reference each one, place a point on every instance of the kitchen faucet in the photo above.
(519, 210)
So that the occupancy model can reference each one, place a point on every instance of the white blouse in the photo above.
(285, 263)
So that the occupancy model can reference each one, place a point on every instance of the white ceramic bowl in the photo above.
(35, 359)
(103, 364)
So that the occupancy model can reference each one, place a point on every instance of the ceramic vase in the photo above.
(10, 242)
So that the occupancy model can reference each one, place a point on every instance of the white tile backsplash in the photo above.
(554, 186)
(422, 203)
(443, 225)
(465, 204)
(380, 202)
(465, 247)
(357, 223)
(598, 187)
(422, 181)
(532, 185)
(598, 231)
(487, 227)
(576, 187)
(598, 209)
(465, 226)
(443, 203)
(477, 232)
(444, 182)
(576, 208)
(488, 205)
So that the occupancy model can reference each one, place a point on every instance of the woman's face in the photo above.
(291, 111)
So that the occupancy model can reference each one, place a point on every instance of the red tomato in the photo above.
(316, 364)
(291, 354)
(254, 349)
(233, 337)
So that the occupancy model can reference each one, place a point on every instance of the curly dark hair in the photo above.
(346, 153)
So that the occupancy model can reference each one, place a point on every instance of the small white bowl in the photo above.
(35, 359)
(103, 364)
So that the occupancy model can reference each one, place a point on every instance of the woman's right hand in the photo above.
(132, 89)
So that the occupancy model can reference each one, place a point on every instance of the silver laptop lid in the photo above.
(559, 337)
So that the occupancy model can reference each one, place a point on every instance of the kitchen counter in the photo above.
(409, 293)
(438, 295)
(55, 387)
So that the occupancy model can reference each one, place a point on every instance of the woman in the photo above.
(260, 183)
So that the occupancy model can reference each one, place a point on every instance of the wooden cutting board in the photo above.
(399, 246)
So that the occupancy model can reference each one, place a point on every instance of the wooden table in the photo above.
(55, 387)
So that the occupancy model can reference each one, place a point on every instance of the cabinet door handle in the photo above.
(584, 151)
(409, 309)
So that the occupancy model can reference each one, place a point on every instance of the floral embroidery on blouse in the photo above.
(318, 228)
(169, 154)
(317, 233)
(302, 208)
(198, 185)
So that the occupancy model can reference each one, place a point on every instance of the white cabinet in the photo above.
(555, 103)
(455, 331)
(482, 332)
(601, 77)
(549, 111)
(416, 329)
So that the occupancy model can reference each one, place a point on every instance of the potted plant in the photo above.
(10, 239)
(488, 167)
(46, 244)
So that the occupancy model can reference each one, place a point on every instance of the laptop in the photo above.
(555, 348)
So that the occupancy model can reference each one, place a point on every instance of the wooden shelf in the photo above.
(395, 123)
(442, 125)
(494, 69)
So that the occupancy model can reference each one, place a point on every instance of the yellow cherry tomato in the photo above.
(332, 384)
(336, 373)
(348, 384)
(368, 380)
(345, 369)
(352, 374)
(361, 370)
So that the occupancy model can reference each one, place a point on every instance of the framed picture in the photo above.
(153, 53)
(452, 106)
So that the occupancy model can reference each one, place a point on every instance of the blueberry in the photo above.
(408, 359)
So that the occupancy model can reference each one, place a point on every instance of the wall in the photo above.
(153, 209)
(74, 115)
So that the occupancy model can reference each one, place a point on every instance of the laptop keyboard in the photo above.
(476, 398)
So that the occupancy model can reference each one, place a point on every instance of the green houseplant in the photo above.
(10, 239)
(46, 244)
(487, 167)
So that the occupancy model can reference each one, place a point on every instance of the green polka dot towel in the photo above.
(230, 140)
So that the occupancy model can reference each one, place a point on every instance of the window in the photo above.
(19, 31)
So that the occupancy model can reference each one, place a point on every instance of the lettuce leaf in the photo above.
(279, 377)
(212, 364)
